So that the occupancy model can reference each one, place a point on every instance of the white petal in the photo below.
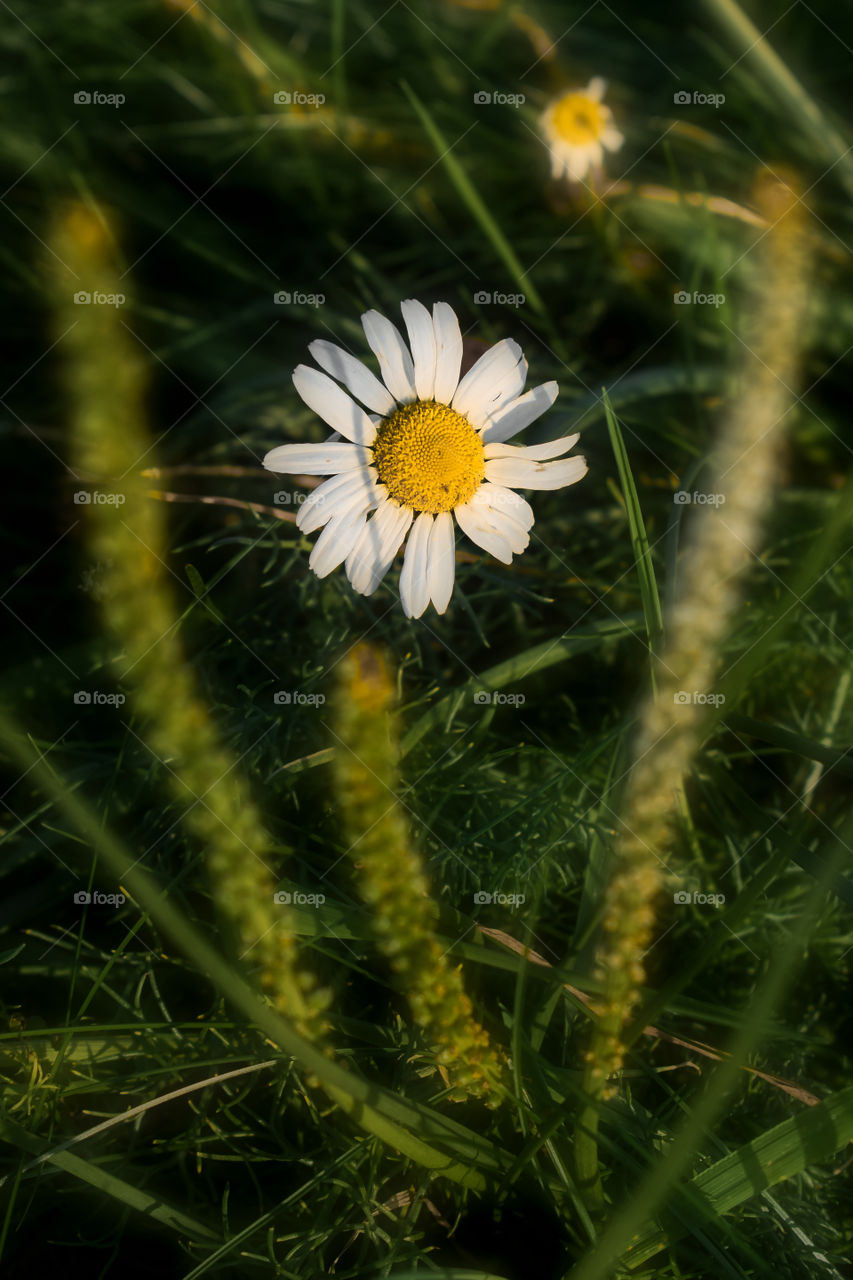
(506, 388)
(473, 522)
(498, 498)
(414, 580)
(448, 351)
(524, 473)
(576, 160)
(377, 545)
(422, 341)
(333, 405)
(595, 89)
(442, 561)
(538, 452)
(475, 396)
(317, 459)
(336, 541)
(515, 415)
(612, 138)
(323, 503)
(355, 376)
(500, 518)
(395, 362)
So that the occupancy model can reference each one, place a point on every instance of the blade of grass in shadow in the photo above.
(531, 661)
(637, 530)
(123, 1192)
(838, 758)
(404, 1126)
(661, 1180)
(635, 388)
(782, 1152)
(475, 204)
(751, 45)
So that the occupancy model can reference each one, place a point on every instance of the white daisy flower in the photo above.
(578, 129)
(426, 447)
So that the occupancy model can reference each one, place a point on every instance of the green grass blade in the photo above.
(837, 758)
(637, 529)
(752, 45)
(141, 1201)
(660, 1182)
(404, 1126)
(476, 205)
(792, 1146)
(531, 661)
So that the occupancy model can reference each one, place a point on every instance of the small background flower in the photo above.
(579, 128)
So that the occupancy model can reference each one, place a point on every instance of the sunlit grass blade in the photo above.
(476, 205)
(637, 530)
(794, 1145)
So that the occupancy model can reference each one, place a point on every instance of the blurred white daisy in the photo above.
(426, 447)
(578, 129)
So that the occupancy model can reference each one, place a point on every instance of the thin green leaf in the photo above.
(475, 203)
(792, 1146)
(202, 592)
(141, 1201)
(637, 529)
(539, 658)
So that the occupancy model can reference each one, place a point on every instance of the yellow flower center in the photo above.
(579, 119)
(428, 456)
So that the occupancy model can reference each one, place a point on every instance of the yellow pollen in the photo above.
(428, 456)
(579, 119)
